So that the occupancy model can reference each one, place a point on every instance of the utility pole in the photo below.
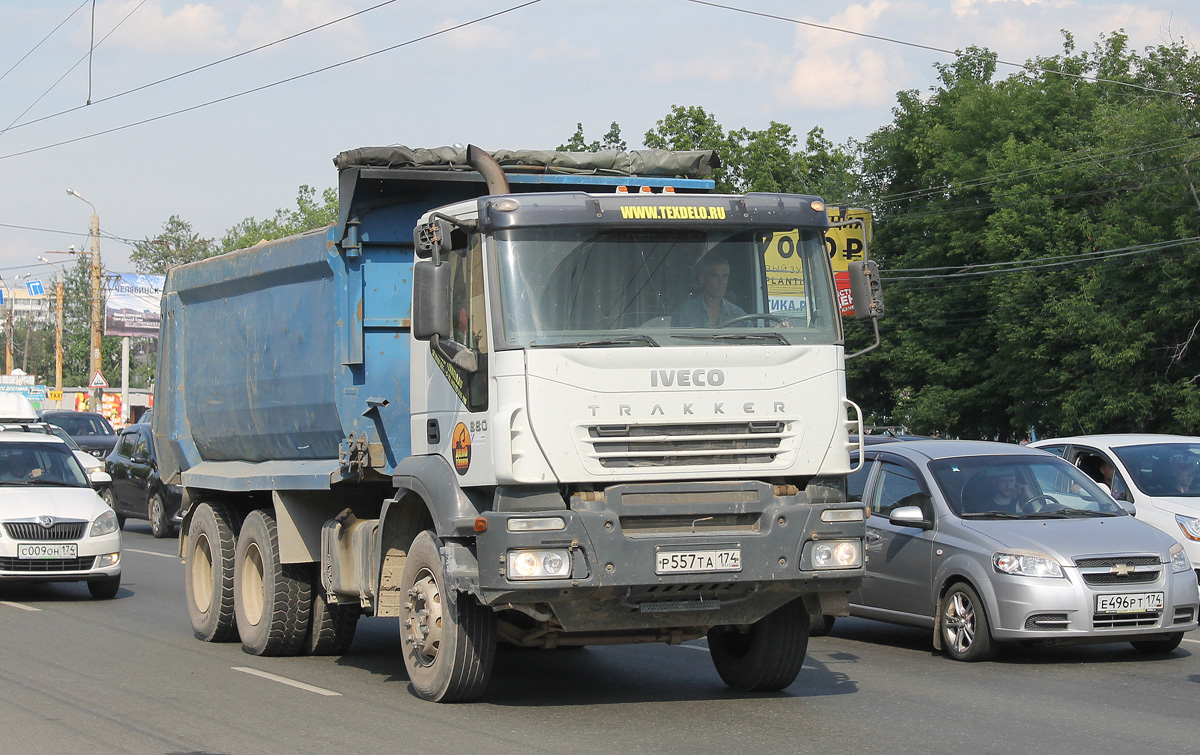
(97, 400)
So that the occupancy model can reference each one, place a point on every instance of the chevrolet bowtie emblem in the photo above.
(46, 521)
(1122, 570)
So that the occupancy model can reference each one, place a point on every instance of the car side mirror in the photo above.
(139, 459)
(1127, 506)
(99, 477)
(909, 516)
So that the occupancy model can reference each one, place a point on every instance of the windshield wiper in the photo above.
(989, 514)
(1068, 513)
(637, 338)
(770, 336)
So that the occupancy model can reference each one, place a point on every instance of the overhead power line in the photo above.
(242, 54)
(955, 53)
(39, 44)
(273, 84)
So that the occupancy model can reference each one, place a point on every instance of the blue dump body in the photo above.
(286, 354)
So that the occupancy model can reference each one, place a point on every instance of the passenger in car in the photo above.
(994, 489)
(1183, 476)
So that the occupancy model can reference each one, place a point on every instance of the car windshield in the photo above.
(82, 424)
(593, 286)
(40, 464)
(1163, 469)
(1019, 487)
(58, 432)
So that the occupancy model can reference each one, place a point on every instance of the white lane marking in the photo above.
(289, 682)
(149, 553)
(701, 648)
(1195, 641)
(18, 605)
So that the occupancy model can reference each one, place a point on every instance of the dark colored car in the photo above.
(90, 430)
(136, 490)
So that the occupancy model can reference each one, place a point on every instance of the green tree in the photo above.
(176, 244)
(309, 213)
(578, 143)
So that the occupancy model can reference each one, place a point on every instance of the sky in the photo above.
(235, 139)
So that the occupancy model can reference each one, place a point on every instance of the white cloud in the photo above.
(480, 37)
(828, 80)
(192, 28)
(562, 51)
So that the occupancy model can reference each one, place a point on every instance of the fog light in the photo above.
(108, 559)
(540, 564)
(844, 554)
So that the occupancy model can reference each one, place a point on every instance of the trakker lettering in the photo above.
(671, 212)
(687, 408)
(686, 378)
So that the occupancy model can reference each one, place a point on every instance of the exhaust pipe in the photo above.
(482, 161)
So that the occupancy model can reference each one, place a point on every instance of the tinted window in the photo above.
(125, 444)
(39, 464)
(897, 487)
(1019, 487)
(1163, 469)
(857, 481)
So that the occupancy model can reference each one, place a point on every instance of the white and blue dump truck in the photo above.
(561, 411)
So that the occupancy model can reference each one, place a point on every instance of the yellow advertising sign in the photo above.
(785, 272)
(54, 395)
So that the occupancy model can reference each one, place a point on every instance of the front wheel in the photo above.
(966, 633)
(449, 638)
(107, 496)
(106, 589)
(1159, 645)
(332, 627)
(767, 656)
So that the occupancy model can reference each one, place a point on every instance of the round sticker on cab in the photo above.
(460, 447)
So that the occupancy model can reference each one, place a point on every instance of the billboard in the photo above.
(785, 273)
(132, 307)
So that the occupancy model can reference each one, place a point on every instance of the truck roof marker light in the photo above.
(818, 206)
(506, 205)
(645, 189)
(622, 189)
(668, 190)
(480, 524)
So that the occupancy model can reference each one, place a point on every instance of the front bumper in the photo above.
(614, 542)
(83, 567)
(1065, 609)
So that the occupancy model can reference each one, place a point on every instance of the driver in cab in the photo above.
(996, 489)
(709, 308)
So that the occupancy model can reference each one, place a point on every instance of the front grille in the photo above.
(1185, 615)
(690, 524)
(1108, 578)
(680, 445)
(1124, 620)
(1085, 563)
(1043, 621)
(43, 565)
(35, 531)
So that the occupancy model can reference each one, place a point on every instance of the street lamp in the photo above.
(8, 339)
(58, 328)
(97, 402)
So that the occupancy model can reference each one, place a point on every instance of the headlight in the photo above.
(844, 554)
(1026, 565)
(1190, 526)
(104, 524)
(1179, 559)
(548, 564)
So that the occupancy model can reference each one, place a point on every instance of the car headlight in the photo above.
(1190, 526)
(1026, 565)
(104, 524)
(843, 554)
(1179, 560)
(542, 564)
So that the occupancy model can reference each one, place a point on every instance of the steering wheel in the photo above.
(755, 316)
(1042, 497)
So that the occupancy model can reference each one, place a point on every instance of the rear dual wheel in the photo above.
(272, 601)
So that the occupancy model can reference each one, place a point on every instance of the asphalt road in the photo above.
(78, 675)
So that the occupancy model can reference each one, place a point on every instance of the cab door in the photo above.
(140, 468)
(899, 565)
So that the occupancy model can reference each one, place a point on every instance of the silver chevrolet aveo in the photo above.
(987, 542)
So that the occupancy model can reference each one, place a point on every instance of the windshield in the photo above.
(82, 424)
(1019, 487)
(39, 464)
(591, 286)
(58, 432)
(1163, 469)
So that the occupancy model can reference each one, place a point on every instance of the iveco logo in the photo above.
(1121, 570)
(46, 521)
(686, 378)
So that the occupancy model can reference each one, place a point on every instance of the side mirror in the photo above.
(866, 290)
(431, 301)
(99, 477)
(909, 516)
(1128, 506)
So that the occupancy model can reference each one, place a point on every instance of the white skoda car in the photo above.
(53, 526)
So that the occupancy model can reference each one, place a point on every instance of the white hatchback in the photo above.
(53, 526)
(1158, 474)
